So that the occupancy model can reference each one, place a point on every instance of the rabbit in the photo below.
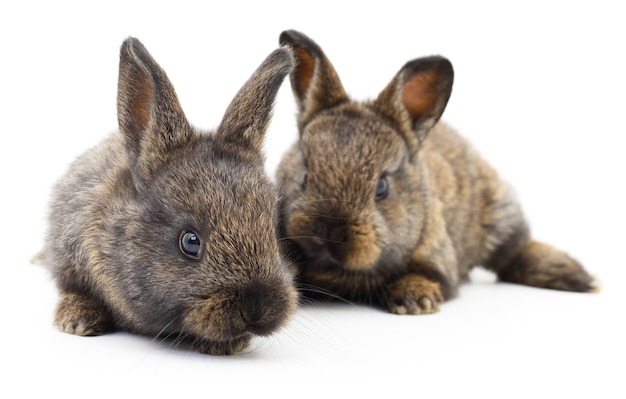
(168, 231)
(380, 203)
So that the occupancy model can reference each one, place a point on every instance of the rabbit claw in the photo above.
(81, 315)
(414, 294)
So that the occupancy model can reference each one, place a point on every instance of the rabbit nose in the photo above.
(325, 250)
(331, 230)
(262, 308)
(325, 239)
(335, 239)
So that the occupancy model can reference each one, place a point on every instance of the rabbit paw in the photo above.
(81, 315)
(414, 294)
(220, 348)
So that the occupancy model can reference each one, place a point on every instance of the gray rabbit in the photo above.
(382, 203)
(165, 230)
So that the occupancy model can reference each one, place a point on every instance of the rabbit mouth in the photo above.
(347, 243)
(353, 257)
(360, 253)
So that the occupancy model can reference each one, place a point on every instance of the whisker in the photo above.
(314, 334)
(319, 290)
(180, 339)
(328, 217)
(158, 338)
(312, 237)
(335, 200)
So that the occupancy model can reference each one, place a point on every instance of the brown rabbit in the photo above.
(168, 231)
(382, 204)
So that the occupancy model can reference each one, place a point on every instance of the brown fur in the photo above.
(119, 216)
(441, 209)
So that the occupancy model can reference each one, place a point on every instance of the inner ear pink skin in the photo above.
(305, 69)
(419, 96)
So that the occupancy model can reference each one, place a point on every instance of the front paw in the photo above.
(81, 315)
(221, 348)
(414, 294)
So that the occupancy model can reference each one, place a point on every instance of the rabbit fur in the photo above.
(169, 231)
(381, 203)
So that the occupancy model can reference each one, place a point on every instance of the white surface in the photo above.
(539, 89)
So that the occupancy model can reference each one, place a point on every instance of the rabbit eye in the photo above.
(382, 188)
(190, 244)
(304, 181)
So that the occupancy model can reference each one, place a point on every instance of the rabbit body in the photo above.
(381, 203)
(169, 231)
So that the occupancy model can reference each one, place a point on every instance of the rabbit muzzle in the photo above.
(347, 243)
(258, 308)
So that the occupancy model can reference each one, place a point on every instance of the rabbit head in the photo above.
(166, 230)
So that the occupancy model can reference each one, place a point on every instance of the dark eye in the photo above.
(304, 181)
(382, 188)
(190, 244)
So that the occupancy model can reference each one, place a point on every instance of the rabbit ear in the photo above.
(149, 114)
(417, 96)
(247, 117)
(314, 81)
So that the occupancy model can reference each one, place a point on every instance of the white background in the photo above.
(539, 89)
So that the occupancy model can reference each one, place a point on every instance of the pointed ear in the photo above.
(247, 117)
(149, 114)
(417, 96)
(314, 81)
